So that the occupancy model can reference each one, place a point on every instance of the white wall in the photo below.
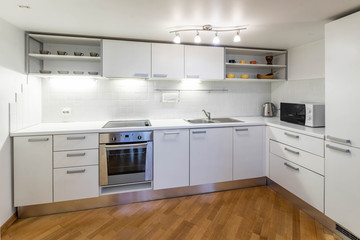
(11, 76)
(134, 99)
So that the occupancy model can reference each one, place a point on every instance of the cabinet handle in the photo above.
(192, 76)
(198, 132)
(160, 75)
(171, 133)
(38, 139)
(141, 75)
(242, 129)
(338, 149)
(76, 138)
(291, 135)
(75, 171)
(346, 141)
(75, 154)
(292, 151)
(292, 167)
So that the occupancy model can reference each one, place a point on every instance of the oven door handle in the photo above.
(127, 145)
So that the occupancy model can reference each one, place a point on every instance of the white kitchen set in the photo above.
(193, 119)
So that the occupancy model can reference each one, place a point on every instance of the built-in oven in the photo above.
(126, 157)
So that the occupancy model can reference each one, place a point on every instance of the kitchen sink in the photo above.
(212, 120)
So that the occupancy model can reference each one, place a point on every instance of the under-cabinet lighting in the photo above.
(130, 85)
(190, 84)
(73, 84)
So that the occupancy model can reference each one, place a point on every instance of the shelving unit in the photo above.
(70, 62)
(279, 66)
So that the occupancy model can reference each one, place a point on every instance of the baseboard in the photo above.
(7, 224)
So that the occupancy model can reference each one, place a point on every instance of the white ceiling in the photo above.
(272, 23)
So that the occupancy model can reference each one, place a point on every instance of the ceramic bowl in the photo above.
(78, 72)
(45, 71)
(94, 54)
(242, 61)
(62, 53)
(252, 62)
(244, 76)
(45, 52)
(63, 72)
(78, 54)
(230, 75)
(93, 73)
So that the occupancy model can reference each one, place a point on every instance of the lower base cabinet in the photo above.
(210, 155)
(306, 184)
(76, 183)
(171, 158)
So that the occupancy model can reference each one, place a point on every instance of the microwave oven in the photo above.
(307, 114)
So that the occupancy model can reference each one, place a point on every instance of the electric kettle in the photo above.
(269, 109)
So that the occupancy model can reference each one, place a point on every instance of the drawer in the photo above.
(305, 184)
(302, 158)
(297, 140)
(76, 158)
(76, 141)
(76, 183)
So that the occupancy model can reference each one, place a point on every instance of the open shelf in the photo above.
(64, 57)
(245, 65)
(65, 75)
(254, 52)
(254, 80)
(56, 39)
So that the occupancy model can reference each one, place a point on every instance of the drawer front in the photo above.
(76, 141)
(302, 158)
(76, 183)
(76, 158)
(305, 184)
(297, 140)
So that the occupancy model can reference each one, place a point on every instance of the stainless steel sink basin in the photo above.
(212, 120)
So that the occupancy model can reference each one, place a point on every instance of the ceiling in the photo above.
(280, 24)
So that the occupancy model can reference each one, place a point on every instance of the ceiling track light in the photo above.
(207, 28)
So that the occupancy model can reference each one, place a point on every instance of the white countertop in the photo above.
(96, 127)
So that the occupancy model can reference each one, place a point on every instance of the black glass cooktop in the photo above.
(127, 123)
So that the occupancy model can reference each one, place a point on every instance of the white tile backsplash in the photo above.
(135, 99)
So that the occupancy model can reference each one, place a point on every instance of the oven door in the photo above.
(125, 163)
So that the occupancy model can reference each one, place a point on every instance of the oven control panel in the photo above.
(126, 137)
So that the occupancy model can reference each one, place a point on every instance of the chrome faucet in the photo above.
(207, 114)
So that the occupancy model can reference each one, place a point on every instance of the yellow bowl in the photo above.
(242, 61)
(244, 76)
(230, 75)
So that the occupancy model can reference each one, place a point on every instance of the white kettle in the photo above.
(269, 109)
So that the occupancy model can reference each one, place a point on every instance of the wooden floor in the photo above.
(251, 213)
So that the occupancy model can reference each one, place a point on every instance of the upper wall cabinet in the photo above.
(245, 64)
(204, 62)
(167, 61)
(124, 59)
(307, 61)
(50, 55)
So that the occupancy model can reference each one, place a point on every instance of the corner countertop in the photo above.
(157, 124)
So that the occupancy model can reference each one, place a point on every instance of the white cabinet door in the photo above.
(171, 158)
(32, 170)
(342, 185)
(167, 61)
(204, 62)
(210, 155)
(342, 71)
(126, 59)
(249, 157)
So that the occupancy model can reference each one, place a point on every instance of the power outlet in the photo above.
(66, 111)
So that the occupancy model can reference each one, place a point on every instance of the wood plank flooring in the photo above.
(251, 213)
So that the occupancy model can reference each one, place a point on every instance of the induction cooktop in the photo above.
(127, 123)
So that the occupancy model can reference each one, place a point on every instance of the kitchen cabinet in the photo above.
(126, 59)
(210, 155)
(341, 118)
(171, 158)
(33, 182)
(248, 156)
(342, 80)
(204, 62)
(342, 198)
(278, 66)
(167, 61)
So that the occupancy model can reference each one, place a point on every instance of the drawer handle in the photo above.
(192, 76)
(292, 167)
(242, 129)
(38, 139)
(291, 135)
(75, 171)
(198, 132)
(76, 138)
(338, 149)
(141, 75)
(292, 151)
(160, 75)
(346, 141)
(171, 133)
(75, 154)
